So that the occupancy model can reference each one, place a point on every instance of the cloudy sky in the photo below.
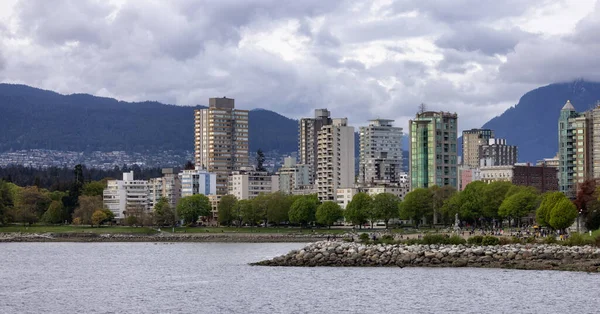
(360, 59)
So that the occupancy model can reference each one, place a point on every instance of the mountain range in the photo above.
(34, 118)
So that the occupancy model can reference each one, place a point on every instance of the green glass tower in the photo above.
(433, 149)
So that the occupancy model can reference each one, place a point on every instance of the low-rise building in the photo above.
(248, 184)
(293, 176)
(197, 181)
(167, 186)
(541, 177)
(127, 196)
(468, 175)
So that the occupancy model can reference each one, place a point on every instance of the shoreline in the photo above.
(163, 237)
(509, 256)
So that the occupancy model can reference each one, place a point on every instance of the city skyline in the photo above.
(384, 60)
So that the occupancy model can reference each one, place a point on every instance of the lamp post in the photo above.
(578, 216)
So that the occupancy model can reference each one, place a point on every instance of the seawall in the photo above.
(513, 256)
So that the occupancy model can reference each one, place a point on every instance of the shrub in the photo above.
(347, 239)
(550, 240)
(530, 240)
(490, 240)
(579, 240)
(413, 241)
(364, 237)
(387, 237)
(475, 240)
(505, 240)
(435, 239)
(456, 240)
(516, 240)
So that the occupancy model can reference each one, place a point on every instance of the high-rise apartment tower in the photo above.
(380, 153)
(433, 149)
(335, 159)
(472, 139)
(307, 140)
(221, 139)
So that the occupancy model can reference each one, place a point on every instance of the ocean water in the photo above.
(216, 278)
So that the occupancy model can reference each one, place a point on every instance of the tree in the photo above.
(278, 207)
(55, 214)
(190, 208)
(164, 215)
(250, 214)
(563, 214)
(87, 206)
(130, 221)
(549, 200)
(31, 204)
(592, 219)
(385, 206)
(260, 204)
(328, 213)
(357, 211)
(110, 216)
(493, 196)
(518, 205)
(226, 209)
(98, 217)
(6, 202)
(94, 188)
(468, 204)
(416, 205)
(440, 196)
(260, 160)
(303, 210)
(586, 192)
(189, 165)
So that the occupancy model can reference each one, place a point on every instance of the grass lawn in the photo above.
(252, 230)
(77, 229)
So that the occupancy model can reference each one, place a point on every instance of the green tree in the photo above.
(328, 213)
(94, 188)
(468, 204)
(303, 210)
(357, 211)
(6, 202)
(385, 206)
(519, 205)
(493, 196)
(191, 207)
(87, 206)
(416, 205)
(31, 204)
(250, 213)
(226, 209)
(130, 220)
(261, 205)
(549, 200)
(164, 214)
(440, 196)
(110, 216)
(98, 217)
(563, 214)
(260, 160)
(278, 207)
(55, 214)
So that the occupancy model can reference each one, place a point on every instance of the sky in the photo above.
(360, 59)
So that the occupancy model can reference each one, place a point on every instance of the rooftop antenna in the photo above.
(422, 108)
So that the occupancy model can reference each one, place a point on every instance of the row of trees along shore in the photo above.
(479, 205)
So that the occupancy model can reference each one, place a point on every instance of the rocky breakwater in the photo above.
(515, 256)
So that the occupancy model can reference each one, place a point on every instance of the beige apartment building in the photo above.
(335, 159)
(221, 139)
(246, 185)
(472, 139)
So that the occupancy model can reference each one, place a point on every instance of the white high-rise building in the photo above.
(197, 181)
(127, 195)
(380, 153)
(246, 185)
(335, 159)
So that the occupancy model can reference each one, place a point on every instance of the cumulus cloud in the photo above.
(360, 59)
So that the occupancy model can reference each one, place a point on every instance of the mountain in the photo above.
(532, 124)
(34, 118)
